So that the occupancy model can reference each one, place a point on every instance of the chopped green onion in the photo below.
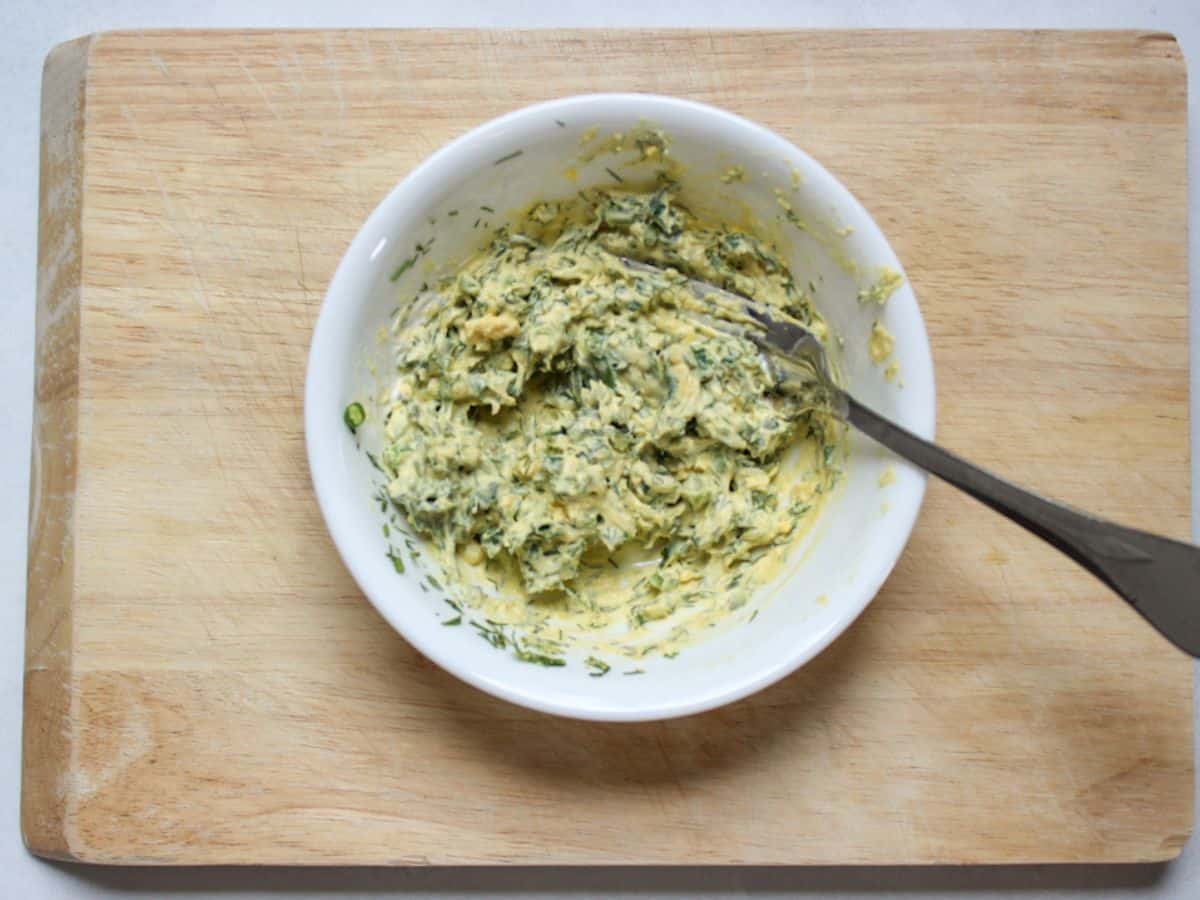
(354, 416)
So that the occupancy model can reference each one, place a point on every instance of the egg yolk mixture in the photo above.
(583, 451)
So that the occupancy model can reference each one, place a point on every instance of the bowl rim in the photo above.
(352, 278)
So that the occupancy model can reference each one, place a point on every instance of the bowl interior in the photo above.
(444, 211)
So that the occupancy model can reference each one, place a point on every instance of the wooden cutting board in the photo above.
(204, 682)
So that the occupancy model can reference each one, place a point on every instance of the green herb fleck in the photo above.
(598, 666)
(457, 620)
(493, 634)
(354, 416)
(452, 213)
(404, 267)
(487, 209)
(397, 560)
(433, 582)
(635, 672)
(374, 461)
(560, 123)
(540, 659)
(505, 159)
(614, 175)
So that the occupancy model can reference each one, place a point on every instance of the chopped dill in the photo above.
(493, 634)
(540, 659)
(404, 267)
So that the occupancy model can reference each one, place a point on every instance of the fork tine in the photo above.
(702, 290)
(758, 315)
(781, 339)
(783, 331)
(711, 324)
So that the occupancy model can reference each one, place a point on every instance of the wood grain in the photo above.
(49, 630)
(204, 682)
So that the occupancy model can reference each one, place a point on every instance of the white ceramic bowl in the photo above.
(833, 574)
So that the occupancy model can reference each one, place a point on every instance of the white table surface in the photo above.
(29, 28)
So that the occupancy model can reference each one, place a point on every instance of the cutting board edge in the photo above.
(1150, 34)
(48, 691)
(1165, 852)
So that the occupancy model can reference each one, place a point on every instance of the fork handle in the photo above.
(1158, 577)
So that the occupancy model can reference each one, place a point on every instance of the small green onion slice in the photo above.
(354, 416)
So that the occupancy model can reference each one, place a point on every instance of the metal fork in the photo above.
(1157, 576)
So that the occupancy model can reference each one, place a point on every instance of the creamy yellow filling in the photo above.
(585, 454)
